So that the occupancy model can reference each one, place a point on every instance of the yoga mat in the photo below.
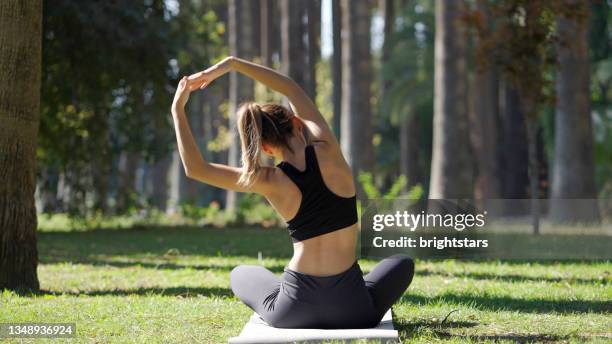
(256, 331)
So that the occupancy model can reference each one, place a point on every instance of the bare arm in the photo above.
(195, 166)
(301, 103)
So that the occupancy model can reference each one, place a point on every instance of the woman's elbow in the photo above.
(193, 172)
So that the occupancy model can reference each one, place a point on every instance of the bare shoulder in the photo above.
(328, 150)
(329, 155)
(336, 172)
(266, 180)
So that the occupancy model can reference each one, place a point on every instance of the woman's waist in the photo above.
(315, 263)
(350, 275)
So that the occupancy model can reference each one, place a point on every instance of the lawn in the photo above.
(167, 285)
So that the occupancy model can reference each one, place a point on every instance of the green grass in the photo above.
(171, 285)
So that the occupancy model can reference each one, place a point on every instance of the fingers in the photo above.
(194, 81)
(195, 76)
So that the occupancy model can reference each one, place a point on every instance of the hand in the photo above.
(204, 78)
(182, 94)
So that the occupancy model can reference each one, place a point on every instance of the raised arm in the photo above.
(302, 105)
(195, 166)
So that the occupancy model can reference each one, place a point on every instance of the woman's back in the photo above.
(320, 175)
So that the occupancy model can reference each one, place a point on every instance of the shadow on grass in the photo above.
(514, 278)
(442, 329)
(501, 303)
(83, 247)
(171, 291)
(276, 268)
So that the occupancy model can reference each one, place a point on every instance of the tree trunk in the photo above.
(451, 172)
(337, 66)
(410, 160)
(265, 30)
(484, 124)
(159, 183)
(533, 169)
(574, 167)
(356, 121)
(254, 6)
(128, 164)
(314, 47)
(388, 13)
(294, 53)
(100, 166)
(241, 88)
(512, 144)
(20, 68)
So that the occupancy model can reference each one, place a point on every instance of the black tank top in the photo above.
(321, 211)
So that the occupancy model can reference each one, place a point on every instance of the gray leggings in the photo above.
(345, 300)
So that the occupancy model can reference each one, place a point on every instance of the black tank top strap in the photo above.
(304, 178)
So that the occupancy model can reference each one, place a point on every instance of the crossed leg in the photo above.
(257, 287)
(389, 280)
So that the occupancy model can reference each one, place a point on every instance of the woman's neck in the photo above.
(297, 157)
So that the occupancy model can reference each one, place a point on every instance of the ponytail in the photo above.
(249, 128)
(269, 123)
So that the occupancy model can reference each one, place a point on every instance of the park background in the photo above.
(106, 143)
(438, 99)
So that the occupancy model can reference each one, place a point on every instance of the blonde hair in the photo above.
(258, 124)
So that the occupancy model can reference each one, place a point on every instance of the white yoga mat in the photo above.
(256, 331)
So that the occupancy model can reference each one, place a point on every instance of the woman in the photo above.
(313, 190)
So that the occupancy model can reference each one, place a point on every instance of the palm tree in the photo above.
(241, 32)
(20, 72)
(313, 10)
(356, 120)
(485, 119)
(574, 167)
(337, 66)
(451, 175)
(294, 50)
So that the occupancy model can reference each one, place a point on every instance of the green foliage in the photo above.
(108, 74)
(407, 80)
(394, 192)
(522, 44)
(253, 209)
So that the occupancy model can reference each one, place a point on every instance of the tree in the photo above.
(408, 123)
(484, 122)
(387, 10)
(313, 10)
(266, 31)
(574, 167)
(20, 74)
(88, 122)
(294, 50)
(512, 153)
(356, 120)
(407, 79)
(451, 173)
(241, 33)
(520, 45)
(337, 66)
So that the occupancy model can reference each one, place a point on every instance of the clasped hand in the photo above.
(199, 80)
